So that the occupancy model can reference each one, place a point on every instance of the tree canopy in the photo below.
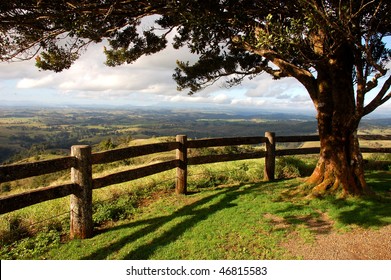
(335, 48)
(234, 39)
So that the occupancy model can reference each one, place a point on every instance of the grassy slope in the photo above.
(217, 223)
(227, 222)
(214, 222)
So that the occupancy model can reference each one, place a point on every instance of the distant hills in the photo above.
(27, 131)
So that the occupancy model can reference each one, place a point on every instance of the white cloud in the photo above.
(265, 86)
(150, 74)
(148, 80)
(46, 81)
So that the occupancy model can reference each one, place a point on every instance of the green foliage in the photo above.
(31, 248)
(378, 162)
(292, 167)
(227, 36)
(212, 175)
(208, 179)
(5, 187)
(187, 227)
(114, 210)
(17, 229)
(123, 204)
(55, 59)
(106, 144)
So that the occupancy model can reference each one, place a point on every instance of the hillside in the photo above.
(240, 221)
(29, 132)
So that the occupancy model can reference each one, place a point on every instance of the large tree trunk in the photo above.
(340, 166)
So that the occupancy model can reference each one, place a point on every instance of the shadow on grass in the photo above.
(364, 212)
(380, 181)
(192, 214)
(368, 211)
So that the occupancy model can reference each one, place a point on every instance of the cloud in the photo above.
(265, 86)
(150, 74)
(147, 81)
(218, 98)
(46, 81)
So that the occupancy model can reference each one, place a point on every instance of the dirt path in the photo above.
(357, 244)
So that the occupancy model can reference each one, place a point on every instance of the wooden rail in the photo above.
(20, 171)
(81, 160)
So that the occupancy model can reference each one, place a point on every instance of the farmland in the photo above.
(27, 132)
(32, 132)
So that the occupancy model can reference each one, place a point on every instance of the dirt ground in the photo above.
(329, 244)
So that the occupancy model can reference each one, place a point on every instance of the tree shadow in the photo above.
(380, 181)
(191, 215)
(370, 211)
(364, 212)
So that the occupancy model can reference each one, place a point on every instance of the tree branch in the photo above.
(380, 98)
(304, 76)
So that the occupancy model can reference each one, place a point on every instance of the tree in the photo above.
(335, 48)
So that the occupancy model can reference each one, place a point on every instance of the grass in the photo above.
(229, 214)
(237, 221)
(205, 225)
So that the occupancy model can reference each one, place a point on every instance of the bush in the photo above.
(378, 162)
(292, 167)
(113, 210)
(6, 187)
(208, 179)
(30, 248)
(17, 229)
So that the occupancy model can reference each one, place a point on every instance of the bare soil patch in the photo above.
(331, 244)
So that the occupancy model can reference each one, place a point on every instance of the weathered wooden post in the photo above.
(270, 159)
(181, 171)
(81, 201)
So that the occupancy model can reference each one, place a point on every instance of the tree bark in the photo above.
(340, 165)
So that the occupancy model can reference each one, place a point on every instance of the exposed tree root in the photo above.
(336, 179)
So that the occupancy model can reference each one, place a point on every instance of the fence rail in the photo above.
(20, 171)
(133, 174)
(81, 160)
(132, 152)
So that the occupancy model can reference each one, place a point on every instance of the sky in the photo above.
(147, 82)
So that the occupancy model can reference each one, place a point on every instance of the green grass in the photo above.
(205, 225)
(229, 214)
(238, 221)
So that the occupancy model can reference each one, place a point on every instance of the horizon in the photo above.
(207, 109)
(148, 82)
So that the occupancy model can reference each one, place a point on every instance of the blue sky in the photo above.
(146, 82)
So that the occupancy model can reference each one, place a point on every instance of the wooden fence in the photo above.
(82, 182)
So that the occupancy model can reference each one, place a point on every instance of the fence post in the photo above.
(81, 202)
(270, 159)
(181, 171)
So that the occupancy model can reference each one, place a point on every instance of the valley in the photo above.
(33, 131)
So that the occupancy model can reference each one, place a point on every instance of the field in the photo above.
(139, 213)
(28, 132)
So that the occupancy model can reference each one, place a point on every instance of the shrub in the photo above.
(31, 248)
(6, 187)
(113, 210)
(208, 180)
(292, 167)
(378, 162)
(17, 228)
